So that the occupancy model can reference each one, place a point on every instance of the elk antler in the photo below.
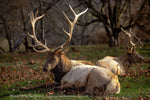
(33, 20)
(133, 44)
(71, 25)
(138, 40)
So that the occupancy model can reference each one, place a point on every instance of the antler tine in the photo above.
(33, 20)
(133, 44)
(139, 41)
(71, 27)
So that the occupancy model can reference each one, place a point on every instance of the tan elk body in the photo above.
(94, 79)
(120, 65)
(65, 69)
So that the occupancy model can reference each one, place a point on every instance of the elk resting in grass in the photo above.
(93, 79)
(120, 65)
(59, 64)
(56, 61)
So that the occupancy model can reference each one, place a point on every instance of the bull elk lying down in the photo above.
(120, 65)
(94, 79)
(73, 73)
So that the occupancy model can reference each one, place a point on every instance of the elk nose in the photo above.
(44, 70)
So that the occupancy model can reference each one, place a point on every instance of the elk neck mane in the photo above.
(64, 65)
(125, 60)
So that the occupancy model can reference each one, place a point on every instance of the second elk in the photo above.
(70, 73)
(120, 65)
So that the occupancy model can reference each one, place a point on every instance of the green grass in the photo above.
(135, 87)
(131, 87)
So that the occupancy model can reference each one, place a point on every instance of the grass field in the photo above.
(25, 69)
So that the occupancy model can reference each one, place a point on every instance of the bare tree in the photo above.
(43, 7)
(115, 14)
(5, 16)
(145, 24)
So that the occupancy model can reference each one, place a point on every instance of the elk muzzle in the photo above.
(44, 69)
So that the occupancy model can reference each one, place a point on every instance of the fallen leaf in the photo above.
(31, 62)
(51, 92)
(127, 86)
(124, 75)
(50, 81)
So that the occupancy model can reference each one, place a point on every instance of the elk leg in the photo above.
(47, 85)
(65, 90)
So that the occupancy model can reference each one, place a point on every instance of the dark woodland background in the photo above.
(100, 25)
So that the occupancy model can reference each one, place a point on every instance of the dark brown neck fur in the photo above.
(125, 61)
(64, 65)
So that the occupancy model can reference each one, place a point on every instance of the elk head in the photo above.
(132, 55)
(56, 61)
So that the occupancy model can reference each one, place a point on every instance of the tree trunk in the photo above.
(42, 35)
(113, 36)
(20, 40)
(8, 34)
(26, 44)
(113, 41)
(82, 35)
(8, 37)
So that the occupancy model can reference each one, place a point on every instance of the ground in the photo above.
(25, 70)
